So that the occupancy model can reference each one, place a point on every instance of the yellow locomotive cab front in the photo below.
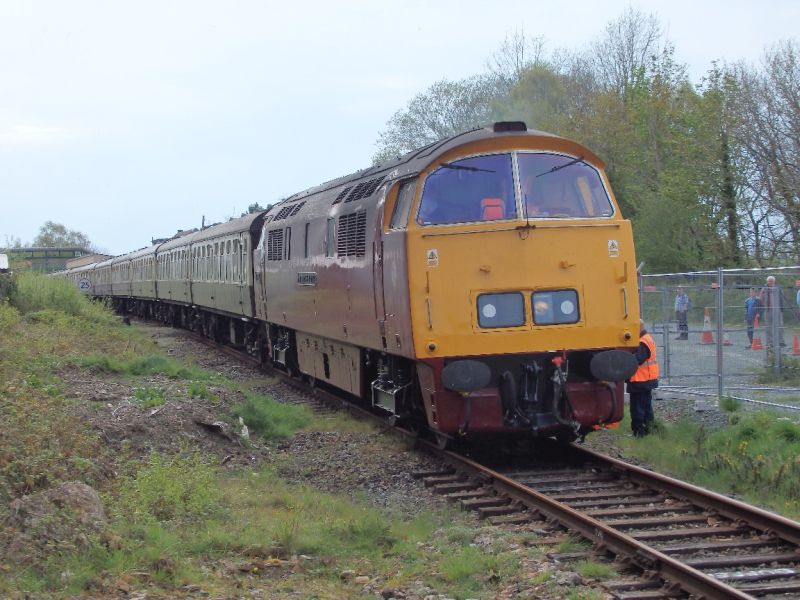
(519, 260)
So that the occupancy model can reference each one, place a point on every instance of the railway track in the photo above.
(683, 540)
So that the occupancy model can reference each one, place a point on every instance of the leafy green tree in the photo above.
(708, 174)
(444, 109)
(53, 235)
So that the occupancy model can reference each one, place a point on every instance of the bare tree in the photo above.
(768, 130)
(625, 49)
(517, 53)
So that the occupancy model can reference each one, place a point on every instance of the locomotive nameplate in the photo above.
(307, 279)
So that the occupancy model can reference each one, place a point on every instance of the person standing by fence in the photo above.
(773, 301)
(752, 309)
(798, 299)
(682, 306)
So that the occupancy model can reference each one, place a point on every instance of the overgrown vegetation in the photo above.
(143, 365)
(788, 375)
(177, 518)
(757, 456)
(150, 396)
(34, 294)
(270, 419)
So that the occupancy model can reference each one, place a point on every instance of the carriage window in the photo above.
(470, 190)
(558, 186)
(403, 204)
(245, 264)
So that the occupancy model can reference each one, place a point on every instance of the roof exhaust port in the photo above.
(505, 126)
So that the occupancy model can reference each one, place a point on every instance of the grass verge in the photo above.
(757, 456)
(177, 522)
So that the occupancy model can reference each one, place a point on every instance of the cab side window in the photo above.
(402, 206)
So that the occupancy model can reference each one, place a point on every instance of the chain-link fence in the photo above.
(738, 336)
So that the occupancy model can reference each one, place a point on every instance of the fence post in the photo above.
(776, 322)
(665, 320)
(720, 331)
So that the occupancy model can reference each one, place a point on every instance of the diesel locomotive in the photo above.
(484, 285)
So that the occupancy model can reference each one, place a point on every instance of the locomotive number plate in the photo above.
(309, 279)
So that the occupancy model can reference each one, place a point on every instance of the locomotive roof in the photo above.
(416, 160)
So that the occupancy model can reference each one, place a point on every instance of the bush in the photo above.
(198, 389)
(729, 404)
(166, 489)
(150, 396)
(7, 285)
(270, 419)
(36, 292)
(9, 316)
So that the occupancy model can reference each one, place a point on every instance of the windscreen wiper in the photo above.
(564, 166)
(463, 168)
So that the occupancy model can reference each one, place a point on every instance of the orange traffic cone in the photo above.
(707, 337)
(756, 345)
(726, 339)
(795, 346)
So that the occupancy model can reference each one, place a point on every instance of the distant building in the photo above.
(46, 260)
(87, 260)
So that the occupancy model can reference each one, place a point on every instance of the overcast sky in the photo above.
(130, 120)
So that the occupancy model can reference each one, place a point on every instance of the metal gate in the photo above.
(715, 354)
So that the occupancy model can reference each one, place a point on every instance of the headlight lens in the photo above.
(501, 310)
(555, 307)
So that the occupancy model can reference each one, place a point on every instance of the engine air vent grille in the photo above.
(365, 189)
(352, 234)
(342, 194)
(275, 244)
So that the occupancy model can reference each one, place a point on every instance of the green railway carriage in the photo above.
(220, 266)
(173, 265)
(142, 273)
(102, 278)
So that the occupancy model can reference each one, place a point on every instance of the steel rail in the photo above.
(731, 508)
(647, 558)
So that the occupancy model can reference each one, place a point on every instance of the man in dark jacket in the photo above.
(753, 309)
(642, 383)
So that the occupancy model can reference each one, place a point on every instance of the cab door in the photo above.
(391, 276)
